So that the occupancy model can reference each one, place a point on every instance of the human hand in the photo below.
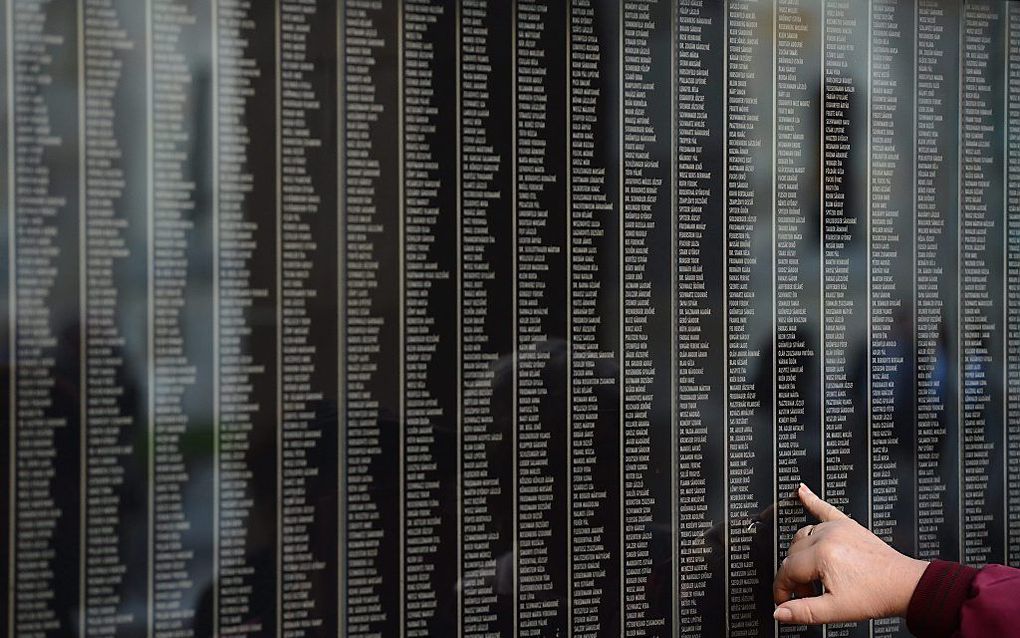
(863, 576)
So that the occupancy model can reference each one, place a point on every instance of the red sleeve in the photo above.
(953, 600)
(934, 610)
(993, 608)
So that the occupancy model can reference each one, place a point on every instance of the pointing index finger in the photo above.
(824, 511)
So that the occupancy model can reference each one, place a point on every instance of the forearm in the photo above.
(934, 609)
(954, 600)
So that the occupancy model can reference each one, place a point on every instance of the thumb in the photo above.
(815, 610)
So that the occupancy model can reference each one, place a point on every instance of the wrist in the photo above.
(908, 575)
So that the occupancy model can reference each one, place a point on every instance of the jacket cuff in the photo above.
(934, 610)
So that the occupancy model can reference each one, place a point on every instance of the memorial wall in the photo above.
(496, 318)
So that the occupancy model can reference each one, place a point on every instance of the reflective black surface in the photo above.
(496, 318)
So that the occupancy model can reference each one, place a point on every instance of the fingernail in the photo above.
(782, 614)
(806, 488)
